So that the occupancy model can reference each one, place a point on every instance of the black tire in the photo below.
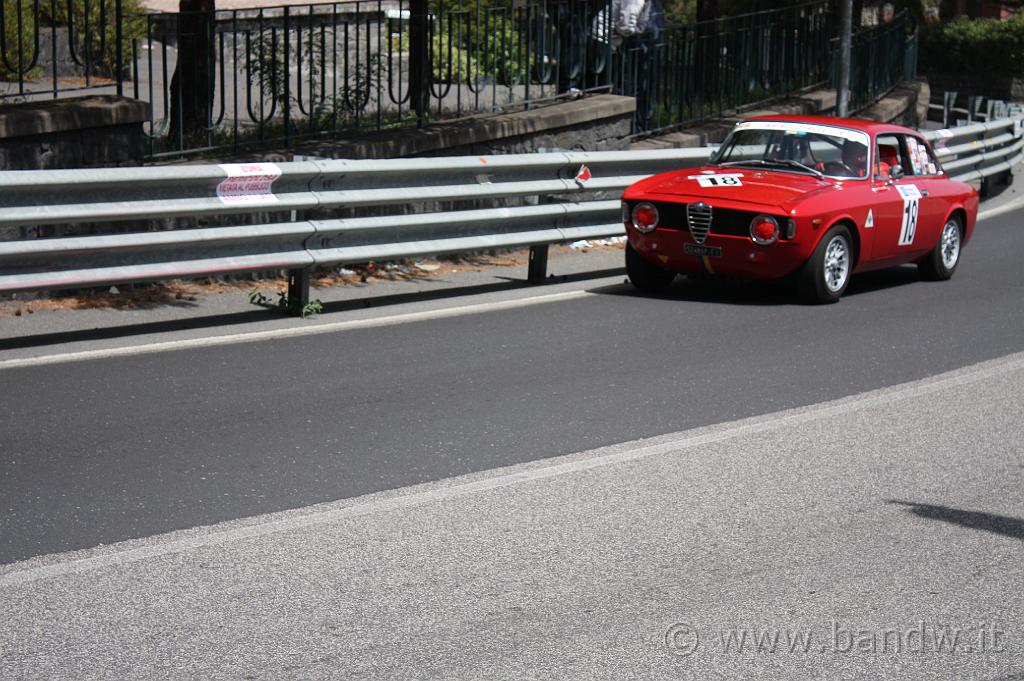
(644, 274)
(824, 277)
(940, 264)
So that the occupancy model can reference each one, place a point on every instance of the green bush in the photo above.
(975, 46)
(14, 63)
(77, 13)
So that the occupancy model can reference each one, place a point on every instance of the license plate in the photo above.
(709, 251)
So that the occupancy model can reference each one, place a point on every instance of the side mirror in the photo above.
(896, 173)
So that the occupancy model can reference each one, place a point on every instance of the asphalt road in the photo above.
(883, 511)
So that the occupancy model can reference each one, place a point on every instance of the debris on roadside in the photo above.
(186, 293)
(591, 243)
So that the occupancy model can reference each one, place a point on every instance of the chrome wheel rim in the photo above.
(949, 244)
(837, 263)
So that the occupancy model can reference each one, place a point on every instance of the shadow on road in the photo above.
(255, 316)
(976, 520)
(756, 292)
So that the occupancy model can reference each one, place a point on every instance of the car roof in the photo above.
(870, 127)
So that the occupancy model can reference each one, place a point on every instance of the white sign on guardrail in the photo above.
(248, 183)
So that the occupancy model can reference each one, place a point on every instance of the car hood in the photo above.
(763, 187)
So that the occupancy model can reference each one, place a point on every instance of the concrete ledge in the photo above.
(80, 132)
(805, 104)
(76, 113)
(476, 130)
(906, 104)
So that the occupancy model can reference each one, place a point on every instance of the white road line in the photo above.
(1016, 204)
(293, 332)
(384, 502)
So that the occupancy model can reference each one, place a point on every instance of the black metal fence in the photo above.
(235, 78)
(285, 73)
(689, 73)
(52, 47)
(881, 56)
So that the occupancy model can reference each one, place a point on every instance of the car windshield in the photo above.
(821, 150)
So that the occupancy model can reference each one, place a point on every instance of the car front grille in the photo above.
(698, 219)
(720, 221)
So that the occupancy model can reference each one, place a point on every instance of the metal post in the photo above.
(538, 270)
(845, 41)
(287, 71)
(948, 102)
(419, 59)
(298, 290)
(118, 47)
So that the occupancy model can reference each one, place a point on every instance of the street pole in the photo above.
(419, 59)
(845, 40)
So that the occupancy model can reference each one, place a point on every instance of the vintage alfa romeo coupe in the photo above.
(816, 198)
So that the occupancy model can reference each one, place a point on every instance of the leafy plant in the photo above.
(283, 304)
(975, 46)
(92, 23)
(268, 69)
(19, 40)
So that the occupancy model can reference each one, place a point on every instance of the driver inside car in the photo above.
(855, 158)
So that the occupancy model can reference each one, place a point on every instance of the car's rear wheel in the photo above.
(824, 277)
(940, 264)
(644, 274)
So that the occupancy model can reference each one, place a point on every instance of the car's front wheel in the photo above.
(940, 264)
(824, 277)
(644, 274)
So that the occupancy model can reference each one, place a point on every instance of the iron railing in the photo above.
(234, 78)
(293, 72)
(690, 73)
(881, 56)
(52, 48)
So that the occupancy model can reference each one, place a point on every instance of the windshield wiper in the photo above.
(797, 164)
(753, 161)
(775, 162)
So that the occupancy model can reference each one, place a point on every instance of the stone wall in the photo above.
(82, 132)
(906, 104)
(596, 123)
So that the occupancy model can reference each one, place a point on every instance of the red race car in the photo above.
(815, 197)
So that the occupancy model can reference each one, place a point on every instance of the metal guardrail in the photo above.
(977, 109)
(979, 151)
(561, 197)
(576, 206)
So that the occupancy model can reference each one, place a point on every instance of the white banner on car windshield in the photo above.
(806, 129)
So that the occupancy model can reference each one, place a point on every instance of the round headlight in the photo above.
(764, 230)
(645, 216)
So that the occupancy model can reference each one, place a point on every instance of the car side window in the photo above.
(888, 153)
(920, 160)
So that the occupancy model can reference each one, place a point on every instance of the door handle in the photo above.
(924, 192)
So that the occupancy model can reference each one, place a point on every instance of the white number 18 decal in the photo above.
(911, 207)
(718, 180)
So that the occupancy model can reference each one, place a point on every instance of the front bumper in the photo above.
(740, 256)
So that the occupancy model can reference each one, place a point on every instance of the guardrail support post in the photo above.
(298, 290)
(538, 271)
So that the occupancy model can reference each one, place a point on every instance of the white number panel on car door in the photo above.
(911, 209)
